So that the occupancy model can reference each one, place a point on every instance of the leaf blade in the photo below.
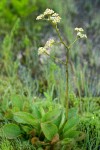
(10, 131)
(25, 118)
(49, 130)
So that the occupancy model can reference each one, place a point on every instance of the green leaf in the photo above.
(10, 131)
(42, 111)
(63, 119)
(53, 116)
(25, 118)
(49, 130)
(17, 101)
(71, 134)
(66, 141)
(70, 124)
(35, 111)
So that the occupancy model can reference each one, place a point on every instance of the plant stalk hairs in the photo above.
(54, 18)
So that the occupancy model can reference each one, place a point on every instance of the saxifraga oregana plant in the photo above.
(54, 18)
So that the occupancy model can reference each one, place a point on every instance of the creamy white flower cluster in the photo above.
(80, 33)
(48, 44)
(49, 15)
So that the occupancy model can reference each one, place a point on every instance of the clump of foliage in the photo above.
(44, 123)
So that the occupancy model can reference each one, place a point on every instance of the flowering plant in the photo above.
(54, 19)
(47, 125)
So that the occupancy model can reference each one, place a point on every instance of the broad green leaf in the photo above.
(49, 130)
(10, 131)
(66, 141)
(71, 134)
(70, 124)
(57, 119)
(17, 101)
(42, 111)
(35, 111)
(53, 116)
(25, 118)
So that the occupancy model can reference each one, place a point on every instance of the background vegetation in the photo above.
(26, 78)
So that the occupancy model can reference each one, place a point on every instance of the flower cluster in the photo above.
(55, 18)
(43, 50)
(40, 17)
(80, 33)
(49, 15)
(48, 12)
(49, 43)
(79, 29)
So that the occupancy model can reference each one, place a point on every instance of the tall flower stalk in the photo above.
(67, 71)
(54, 19)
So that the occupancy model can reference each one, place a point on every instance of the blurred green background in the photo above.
(21, 35)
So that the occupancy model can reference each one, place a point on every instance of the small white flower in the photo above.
(55, 18)
(40, 17)
(85, 36)
(48, 12)
(81, 35)
(41, 50)
(79, 29)
(49, 43)
(50, 15)
(55, 15)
